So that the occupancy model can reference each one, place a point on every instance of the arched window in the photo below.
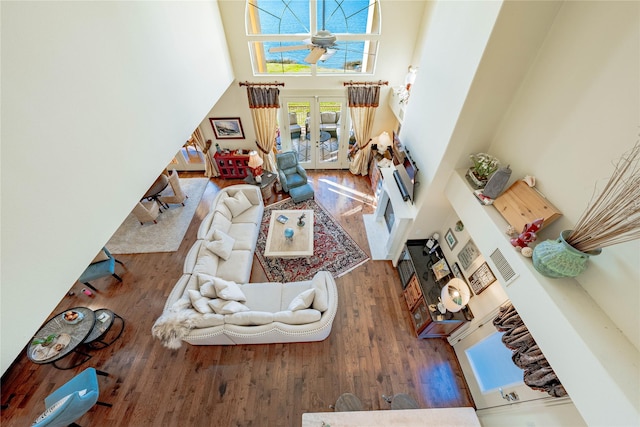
(313, 37)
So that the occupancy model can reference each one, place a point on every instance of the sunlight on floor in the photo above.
(349, 192)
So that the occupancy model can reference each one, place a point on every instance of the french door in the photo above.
(316, 129)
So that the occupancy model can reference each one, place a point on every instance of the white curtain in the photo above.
(210, 168)
(264, 103)
(363, 101)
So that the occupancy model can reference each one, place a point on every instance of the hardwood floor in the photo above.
(371, 351)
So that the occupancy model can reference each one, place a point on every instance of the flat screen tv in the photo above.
(406, 173)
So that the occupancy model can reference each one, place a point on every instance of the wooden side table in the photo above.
(266, 185)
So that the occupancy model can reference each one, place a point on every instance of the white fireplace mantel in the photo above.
(385, 244)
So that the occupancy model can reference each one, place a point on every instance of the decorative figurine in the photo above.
(528, 234)
(300, 220)
(288, 233)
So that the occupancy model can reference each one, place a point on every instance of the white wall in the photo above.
(555, 95)
(97, 97)
(575, 114)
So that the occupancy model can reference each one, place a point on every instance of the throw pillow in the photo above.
(221, 245)
(238, 203)
(249, 318)
(199, 302)
(205, 283)
(221, 306)
(300, 317)
(302, 301)
(228, 290)
(51, 410)
(319, 283)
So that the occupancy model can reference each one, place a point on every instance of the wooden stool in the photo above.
(348, 402)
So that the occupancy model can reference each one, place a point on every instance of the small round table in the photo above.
(105, 319)
(158, 186)
(324, 136)
(57, 326)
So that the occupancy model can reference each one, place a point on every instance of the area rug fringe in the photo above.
(334, 249)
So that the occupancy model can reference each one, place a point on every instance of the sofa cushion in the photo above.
(262, 296)
(207, 262)
(299, 317)
(237, 268)
(228, 290)
(224, 210)
(199, 302)
(238, 203)
(321, 299)
(247, 318)
(223, 306)
(245, 236)
(329, 117)
(302, 301)
(221, 244)
(219, 222)
(253, 216)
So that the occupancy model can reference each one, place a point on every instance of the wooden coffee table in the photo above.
(300, 246)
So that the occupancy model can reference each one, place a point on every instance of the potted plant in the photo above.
(612, 217)
(483, 166)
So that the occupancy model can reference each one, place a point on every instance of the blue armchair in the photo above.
(72, 400)
(293, 177)
(104, 264)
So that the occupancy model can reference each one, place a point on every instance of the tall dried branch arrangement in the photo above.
(613, 216)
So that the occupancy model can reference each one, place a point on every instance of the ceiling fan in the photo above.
(320, 44)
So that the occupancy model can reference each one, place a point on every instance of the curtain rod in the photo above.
(379, 83)
(260, 84)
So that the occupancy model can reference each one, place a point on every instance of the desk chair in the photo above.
(104, 264)
(178, 195)
(72, 400)
(146, 211)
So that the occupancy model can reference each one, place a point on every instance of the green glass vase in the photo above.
(557, 258)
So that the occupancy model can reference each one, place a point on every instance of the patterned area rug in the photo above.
(334, 250)
(167, 234)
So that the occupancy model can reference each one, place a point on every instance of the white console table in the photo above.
(441, 417)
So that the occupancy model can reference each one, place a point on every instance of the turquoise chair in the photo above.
(293, 177)
(103, 265)
(72, 400)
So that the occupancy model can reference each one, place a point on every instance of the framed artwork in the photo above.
(481, 278)
(468, 254)
(227, 127)
(441, 269)
(451, 239)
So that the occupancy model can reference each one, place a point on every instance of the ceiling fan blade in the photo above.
(315, 54)
(289, 48)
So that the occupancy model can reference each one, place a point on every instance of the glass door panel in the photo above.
(314, 128)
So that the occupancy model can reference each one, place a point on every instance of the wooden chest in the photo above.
(521, 204)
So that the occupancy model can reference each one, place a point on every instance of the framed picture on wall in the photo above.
(481, 278)
(227, 127)
(468, 254)
(451, 239)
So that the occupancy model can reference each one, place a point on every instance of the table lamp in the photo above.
(455, 295)
(255, 164)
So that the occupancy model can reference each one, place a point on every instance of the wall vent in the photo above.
(504, 268)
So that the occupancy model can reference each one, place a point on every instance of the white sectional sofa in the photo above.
(212, 303)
